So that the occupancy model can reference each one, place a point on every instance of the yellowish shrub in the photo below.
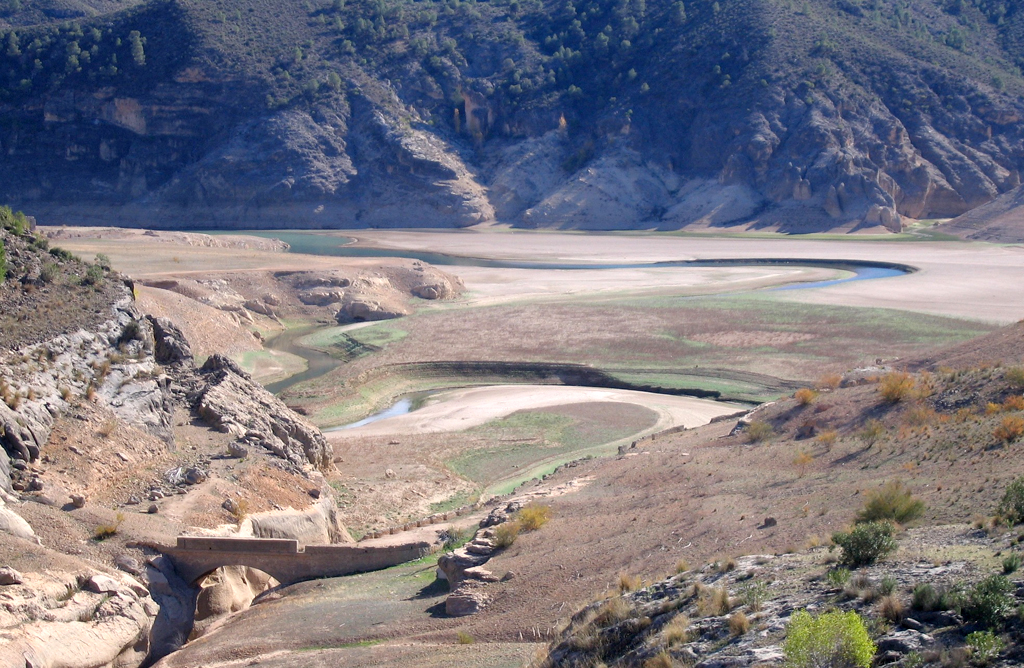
(805, 396)
(533, 516)
(896, 386)
(1010, 429)
(738, 623)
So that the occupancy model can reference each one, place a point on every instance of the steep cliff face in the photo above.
(603, 115)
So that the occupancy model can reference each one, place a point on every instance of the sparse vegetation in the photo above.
(628, 583)
(1010, 429)
(1011, 507)
(830, 639)
(739, 624)
(989, 601)
(758, 431)
(866, 543)
(677, 631)
(464, 638)
(985, 646)
(1015, 376)
(533, 516)
(896, 386)
(1011, 563)
(891, 502)
(105, 531)
(873, 430)
(506, 533)
(805, 396)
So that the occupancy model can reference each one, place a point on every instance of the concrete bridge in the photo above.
(285, 560)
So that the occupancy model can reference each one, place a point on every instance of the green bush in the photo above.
(989, 601)
(13, 221)
(758, 431)
(830, 639)
(1011, 563)
(985, 646)
(1012, 505)
(925, 598)
(891, 502)
(48, 274)
(3, 262)
(866, 543)
(1015, 376)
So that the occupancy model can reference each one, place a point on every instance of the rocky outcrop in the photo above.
(227, 590)
(229, 400)
(317, 525)
(64, 621)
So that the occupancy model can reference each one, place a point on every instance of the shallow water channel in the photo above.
(320, 363)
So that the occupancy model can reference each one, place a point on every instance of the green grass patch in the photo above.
(461, 499)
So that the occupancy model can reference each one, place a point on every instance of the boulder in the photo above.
(171, 348)
(439, 290)
(322, 296)
(9, 576)
(78, 500)
(468, 599)
(319, 524)
(12, 523)
(362, 310)
(103, 584)
(237, 450)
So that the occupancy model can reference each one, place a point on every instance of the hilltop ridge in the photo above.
(767, 114)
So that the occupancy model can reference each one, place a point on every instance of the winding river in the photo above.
(312, 243)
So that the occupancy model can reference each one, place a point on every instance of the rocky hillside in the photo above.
(999, 221)
(846, 114)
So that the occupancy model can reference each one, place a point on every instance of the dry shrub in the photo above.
(1015, 376)
(801, 461)
(628, 582)
(107, 428)
(714, 602)
(506, 534)
(758, 431)
(738, 623)
(682, 566)
(464, 638)
(872, 431)
(1010, 429)
(993, 408)
(660, 660)
(921, 416)
(677, 632)
(891, 608)
(896, 387)
(533, 516)
(891, 502)
(828, 438)
(725, 565)
(962, 415)
(1014, 403)
(829, 381)
(805, 396)
(105, 531)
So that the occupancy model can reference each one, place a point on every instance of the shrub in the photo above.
(989, 601)
(682, 566)
(801, 460)
(3, 262)
(866, 543)
(714, 602)
(896, 387)
(828, 438)
(1014, 402)
(838, 577)
(829, 381)
(985, 646)
(1015, 376)
(805, 396)
(925, 598)
(93, 275)
(660, 660)
(506, 534)
(1011, 563)
(464, 638)
(533, 516)
(758, 431)
(48, 273)
(738, 623)
(872, 431)
(753, 594)
(830, 639)
(1010, 429)
(105, 531)
(888, 585)
(1012, 505)
(891, 502)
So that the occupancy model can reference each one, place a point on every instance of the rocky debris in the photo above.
(153, 509)
(128, 564)
(230, 505)
(319, 524)
(194, 476)
(468, 599)
(9, 576)
(434, 291)
(229, 400)
(502, 514)
(322, 296)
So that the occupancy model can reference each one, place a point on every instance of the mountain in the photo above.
(797, 115)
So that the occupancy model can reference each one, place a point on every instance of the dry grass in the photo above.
(829, 381)
(464, 638)
(891, 608)
(828, 438)
(105, 531)
(682, 566)
(612, 611)
(677, 631)
(107, 428)
(628, 582)
(1014, 403)
(739, 624)
(758, 431)
(661, 660)
(801, 461)
(714, 602)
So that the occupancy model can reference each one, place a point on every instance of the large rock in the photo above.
(9, 576)
(12, 523)
(468, 599)
(170, 345)
(318, 524)
(225, 591)
(230, 401)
